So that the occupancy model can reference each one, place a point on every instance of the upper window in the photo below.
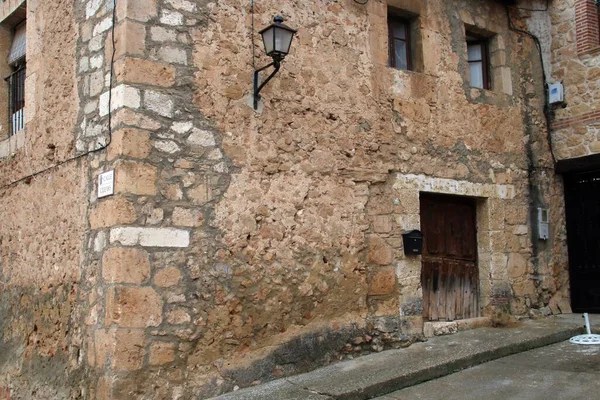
(400, 43)
(16, 80)
(478, 58)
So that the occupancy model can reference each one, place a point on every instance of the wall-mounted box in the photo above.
(556, 93)
(543, 223)
(413, 242)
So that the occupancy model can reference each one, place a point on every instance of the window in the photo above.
(478, 58)
(400, 43)
(16, 81)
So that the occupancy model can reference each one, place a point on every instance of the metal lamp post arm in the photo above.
(257, 88)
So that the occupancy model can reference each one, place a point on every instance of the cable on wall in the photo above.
(29, 177)
(252, 37)
(547, 111)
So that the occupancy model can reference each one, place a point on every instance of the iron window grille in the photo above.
(16, 99)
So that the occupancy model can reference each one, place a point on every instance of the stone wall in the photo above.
(43, 224)
(242, 246)
(576, 63)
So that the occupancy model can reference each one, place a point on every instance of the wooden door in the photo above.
(582, 201)
(449, 274)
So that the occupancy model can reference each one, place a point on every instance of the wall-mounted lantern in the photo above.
(277, 39)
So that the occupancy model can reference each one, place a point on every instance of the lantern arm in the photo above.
(257, 88)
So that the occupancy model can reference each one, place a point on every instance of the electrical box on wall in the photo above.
(556, 93)
(543, 220)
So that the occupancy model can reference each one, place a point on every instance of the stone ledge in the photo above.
(10, 145)
(150, 237)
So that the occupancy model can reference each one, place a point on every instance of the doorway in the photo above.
(582, 203)
(449, 273)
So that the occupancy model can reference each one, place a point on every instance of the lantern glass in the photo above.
(268, 39)
(277, 39)
(283, 40)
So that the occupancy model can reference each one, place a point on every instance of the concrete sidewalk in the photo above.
(382, 373)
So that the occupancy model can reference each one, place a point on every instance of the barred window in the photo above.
(16, 80)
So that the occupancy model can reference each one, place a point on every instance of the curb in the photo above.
(383, 388)
(382, 373)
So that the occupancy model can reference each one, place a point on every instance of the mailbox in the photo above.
(413, 242)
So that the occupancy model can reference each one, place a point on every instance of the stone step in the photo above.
(378, 374)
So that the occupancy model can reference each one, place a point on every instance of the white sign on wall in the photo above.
(106, 184)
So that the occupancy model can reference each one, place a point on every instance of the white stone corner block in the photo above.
(150, 237)
(164, 237)
(200, 137)
(122, 96)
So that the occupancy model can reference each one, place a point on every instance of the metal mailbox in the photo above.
(413, 242)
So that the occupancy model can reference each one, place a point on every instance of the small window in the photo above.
(478, 58)
(16, 81)
(400, 43)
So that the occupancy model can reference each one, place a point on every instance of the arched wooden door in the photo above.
(449, 273)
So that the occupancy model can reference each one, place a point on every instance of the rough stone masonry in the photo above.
(240, 245)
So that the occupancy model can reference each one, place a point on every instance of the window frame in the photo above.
(16, 87)
(394, 21)
(473, 39)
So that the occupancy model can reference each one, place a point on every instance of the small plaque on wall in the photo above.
(106, 184)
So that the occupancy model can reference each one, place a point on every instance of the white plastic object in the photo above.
(590, 338)
(556, 93)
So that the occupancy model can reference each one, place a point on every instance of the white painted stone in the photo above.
(216, 154)
(164, 237)
(127, 236)
(182, 5)
(122, 96)
(221, 167)
(96, 43)
(182, 127)
(150, 237)
(96, 83)
(80, 145)
(93, 130)
(160, 34)
(173, 55)
(100, 241)
(425, 183)
(167, 146)
(103, 26)
(90, 107)
(172, 18)
(84, 64)
(97, 61)
(176, 298)
(201, 137)
(160, 103)
(92, 8)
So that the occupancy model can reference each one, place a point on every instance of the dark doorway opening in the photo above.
(582, 202)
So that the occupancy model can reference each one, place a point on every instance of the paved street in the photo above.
(560, 371)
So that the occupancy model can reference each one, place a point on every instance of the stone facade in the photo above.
(575, 49)
(240, 245)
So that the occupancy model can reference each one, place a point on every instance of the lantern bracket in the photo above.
(276, 64)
